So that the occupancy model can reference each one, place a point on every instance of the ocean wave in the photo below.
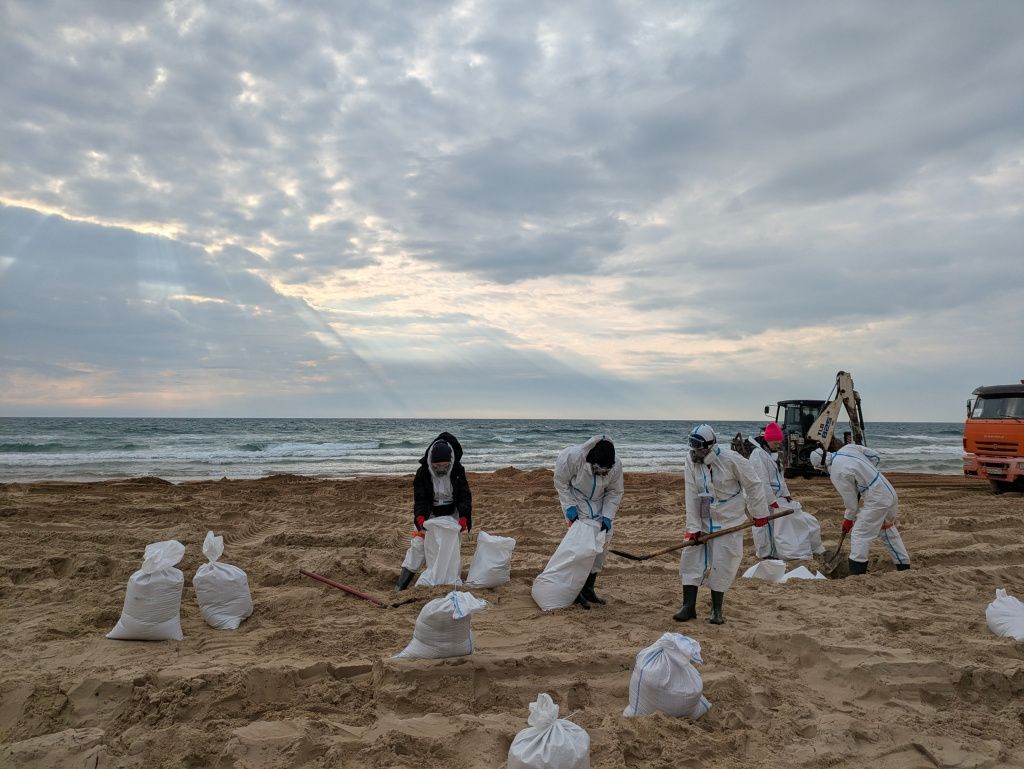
(949, 449)
(25, 447)
(913, 437)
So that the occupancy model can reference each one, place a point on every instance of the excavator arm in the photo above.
(842, 394)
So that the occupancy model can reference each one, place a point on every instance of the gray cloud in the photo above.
(746, 167)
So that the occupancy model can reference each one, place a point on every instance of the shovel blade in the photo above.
(834, 565)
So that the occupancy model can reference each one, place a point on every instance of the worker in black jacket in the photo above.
(439, 488)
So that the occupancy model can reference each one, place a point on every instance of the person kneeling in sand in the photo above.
(440, 488)
(800, 527)
(588, 480)
(854, 472)
(717, 480)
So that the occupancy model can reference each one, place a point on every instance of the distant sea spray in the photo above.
(189, 449)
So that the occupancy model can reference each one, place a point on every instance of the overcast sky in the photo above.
(602, 209)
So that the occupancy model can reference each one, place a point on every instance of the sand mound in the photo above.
(895, 670)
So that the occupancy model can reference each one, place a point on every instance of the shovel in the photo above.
(833, 559)
(689, 543)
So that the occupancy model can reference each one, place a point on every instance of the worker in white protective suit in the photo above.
(721, 486)
(797, 535)
(588, 480)
(871, 503)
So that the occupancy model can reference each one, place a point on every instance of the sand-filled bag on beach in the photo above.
(770, 570)
(443, 629)
(443, 548)
(492, 561)
(222, 589)
(152, 604)
(795, 536)
(1005, 616)
(549, 742)
(665, 680)
(562, 579)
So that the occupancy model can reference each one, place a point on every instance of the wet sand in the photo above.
(891, 671)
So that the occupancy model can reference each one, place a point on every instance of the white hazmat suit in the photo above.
(794, 537)
(855, 474)
(594, 496)
(729, 481)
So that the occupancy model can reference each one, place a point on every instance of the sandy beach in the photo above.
(892, 670)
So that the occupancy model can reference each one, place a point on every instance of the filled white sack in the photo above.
(221, 589)
(797, 536)
(549, 742)
(665, 680)
(802, 572)
(443, 629)
(769, 570)
(562, 579)
(492, 561)
(443, 547)
(152, 603)
(1005, 616)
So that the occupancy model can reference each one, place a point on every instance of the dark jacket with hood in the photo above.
(423, 487)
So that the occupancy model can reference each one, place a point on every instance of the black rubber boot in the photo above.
(588, 591)
(902, 566)
(582, 602)
(689, 610)
(404, 579)
(856, 567)
(716, 608)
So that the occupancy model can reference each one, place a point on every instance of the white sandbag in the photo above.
(443, 629)
(549, 742)
(802, 572)
(769, 570)
(665, 680)
(152, 603)
(492, 561)
(797, 536)
(443, 547)
(1005, 616)
(562, 579)
(221, 589)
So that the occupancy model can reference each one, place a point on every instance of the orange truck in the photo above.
(994, 437)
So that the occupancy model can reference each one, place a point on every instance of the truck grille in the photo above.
(998, 448)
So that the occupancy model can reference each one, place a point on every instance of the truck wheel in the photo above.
(1000, 487)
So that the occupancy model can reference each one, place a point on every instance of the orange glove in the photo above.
(759, 522)
(847, 524)
(462, 522)
(693, 536)
(420, 519)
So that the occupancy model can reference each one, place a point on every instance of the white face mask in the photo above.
(702, 456)
(597, 470)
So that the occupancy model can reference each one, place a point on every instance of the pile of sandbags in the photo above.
(1005, 616)
(152, 603)
(549, 742)
(797, 536)
(492, 561)
(443, 547)
(443, 628)
(665, 680)
(221, 589)
(562, 579)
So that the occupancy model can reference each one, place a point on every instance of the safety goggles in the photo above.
(696, 442)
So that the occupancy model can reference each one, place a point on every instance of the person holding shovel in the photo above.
(871, 503)
(588, 480)
(439, 489)
(721, 486)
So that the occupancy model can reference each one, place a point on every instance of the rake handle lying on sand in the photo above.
(359, 594)
(704, 538)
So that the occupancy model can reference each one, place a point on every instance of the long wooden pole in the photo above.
(703, 538)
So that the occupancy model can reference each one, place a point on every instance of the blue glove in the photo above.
(572, 514)
(606, 524)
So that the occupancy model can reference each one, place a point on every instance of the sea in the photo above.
(90, 449)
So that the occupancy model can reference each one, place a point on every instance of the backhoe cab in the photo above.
(811, 424)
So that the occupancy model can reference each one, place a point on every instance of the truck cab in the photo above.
(994, 437)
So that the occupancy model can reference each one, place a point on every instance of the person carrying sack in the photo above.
(588, 480)
(439, 489)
